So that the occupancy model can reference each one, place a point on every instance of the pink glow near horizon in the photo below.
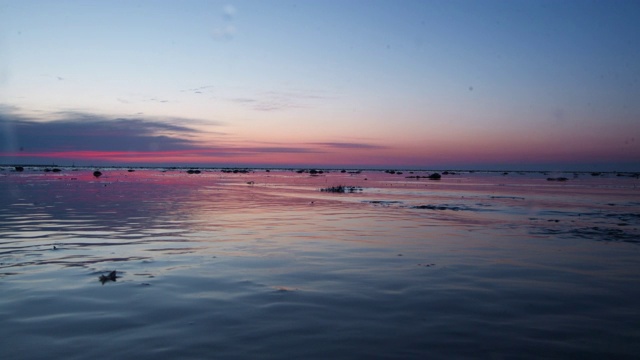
(426, 155)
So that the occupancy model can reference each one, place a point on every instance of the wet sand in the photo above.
(265, 265)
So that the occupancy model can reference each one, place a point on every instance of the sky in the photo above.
(522, 85)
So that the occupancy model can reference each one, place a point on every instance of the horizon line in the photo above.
(307, 167)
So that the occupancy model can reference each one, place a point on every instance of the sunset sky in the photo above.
(549, 85)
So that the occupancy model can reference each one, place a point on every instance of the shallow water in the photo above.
(264, 265)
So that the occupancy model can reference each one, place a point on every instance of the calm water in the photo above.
(264, 265)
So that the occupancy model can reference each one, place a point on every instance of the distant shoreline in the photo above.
(306, 169)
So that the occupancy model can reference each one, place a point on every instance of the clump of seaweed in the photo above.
(110, 277)
(557, 179)
(236, 171)
(312, 172)
(342, 189)
(434, 176)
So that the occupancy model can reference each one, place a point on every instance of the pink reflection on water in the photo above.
(152, 213)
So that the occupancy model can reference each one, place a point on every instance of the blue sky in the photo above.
(509, 84)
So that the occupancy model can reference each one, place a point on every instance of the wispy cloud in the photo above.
(267, 102)
(273, 149)
(275, 100)
(244, 100)
(156, 100)
(348, 145)
(199, 89)
(227, 30)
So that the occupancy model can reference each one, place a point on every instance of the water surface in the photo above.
(265, 265)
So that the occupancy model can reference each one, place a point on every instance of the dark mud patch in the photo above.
(595, 225)
(596, 233)
(628, 218)
(448, 207)
(507, 197)
(382, 202)
(606, 234)
(342, 189)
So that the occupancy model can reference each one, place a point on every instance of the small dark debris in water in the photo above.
(284, 289)
(55, 248)
(342, 189)
(399, 254)
(111, 277)
(250, 182)
(435, 176)
(393, 172)
(553, 220)
(130, 170)
(508, 197)
(97, 174)
(426, 265)
(19, 168)
(236, 171)
(192, 171)
(437, 207)
(557, 179)
(382, 202)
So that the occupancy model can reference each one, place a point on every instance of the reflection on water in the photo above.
(264, 264)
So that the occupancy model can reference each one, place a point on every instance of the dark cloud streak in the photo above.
(81, 131)
(82, 136)
(344, 145)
